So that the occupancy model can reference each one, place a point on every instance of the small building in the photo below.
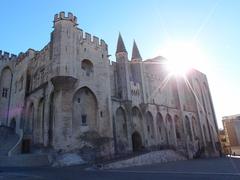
(231, 125)
(224, 144)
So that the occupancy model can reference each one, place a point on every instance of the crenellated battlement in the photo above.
(6, 56)
(43, 50)
(85, 36)
(88, 38)
(23, 55)
(62, 16)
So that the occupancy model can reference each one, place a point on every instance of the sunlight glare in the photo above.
(182, 56)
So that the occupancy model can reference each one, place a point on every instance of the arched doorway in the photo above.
(136, 142)
(137, 120)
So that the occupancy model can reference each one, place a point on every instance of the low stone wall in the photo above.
(145, 159)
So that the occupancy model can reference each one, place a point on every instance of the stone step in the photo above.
(25, 160)
(145, 159)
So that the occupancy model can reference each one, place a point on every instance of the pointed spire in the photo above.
(135, 52)
(120, 44)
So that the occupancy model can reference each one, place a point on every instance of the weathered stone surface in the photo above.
(68, 159)
(145, 159)
(70, 88)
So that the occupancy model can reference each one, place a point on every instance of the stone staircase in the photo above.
(153, 157)
(8, 138)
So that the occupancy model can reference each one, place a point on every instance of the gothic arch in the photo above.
(195, 128)
(170, 129)
(161, 130)
(29, 119)
(51, 119)
(39, 125)
(207, 139)
(178, 127)
(188, 128)
(137, 120)
(5, 94)
(85, 108)
(28, 81)
(121, 129)
(150, 127)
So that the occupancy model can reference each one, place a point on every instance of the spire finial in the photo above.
(135, 52)
(120, 44)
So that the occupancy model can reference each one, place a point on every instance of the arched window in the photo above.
(5, 94)
(87, 67)
(137, 120)
(28, 82)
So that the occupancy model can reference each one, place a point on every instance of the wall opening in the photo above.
(136, 142)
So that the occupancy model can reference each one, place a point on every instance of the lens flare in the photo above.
(182, 57)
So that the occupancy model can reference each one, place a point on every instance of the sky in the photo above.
(212, 27)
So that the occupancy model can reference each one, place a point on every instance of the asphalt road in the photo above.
(213, 169)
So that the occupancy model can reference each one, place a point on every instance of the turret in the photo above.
(6, 56)
(137, 69)
(120, 45)
(121, 52)
(122, 70)
(61, 16)
(135, 53)
(63, 41)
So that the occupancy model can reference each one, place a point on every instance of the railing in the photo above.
(16, 149)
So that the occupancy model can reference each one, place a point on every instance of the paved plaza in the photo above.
(214, 169)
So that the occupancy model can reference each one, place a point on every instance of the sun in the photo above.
(182, 56)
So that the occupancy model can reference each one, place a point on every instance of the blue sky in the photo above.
(213, 24)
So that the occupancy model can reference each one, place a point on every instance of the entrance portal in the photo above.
(136, 142)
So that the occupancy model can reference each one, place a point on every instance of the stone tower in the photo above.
(122, 70)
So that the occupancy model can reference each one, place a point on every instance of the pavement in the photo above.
(227, 168)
